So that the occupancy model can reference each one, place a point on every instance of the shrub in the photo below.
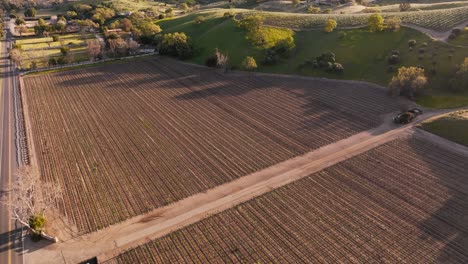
(199, 19)
(30, 12)
(327, 11)
(36, 222)
(393, 23)
(211, 61)
(271, 57)
(229, 14)
(64, 50)
(295, 2)
(337, 67)
(394, 59)
(424, 44)
(52, 61)
(456, 31)
(330, 25)
(376, 23)
(405, 7)
(249, 64)
(55, 38)
(325, 58)
(61, 60)
(411, 43)
(313, 10)
(284, 46)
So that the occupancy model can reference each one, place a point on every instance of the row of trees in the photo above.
(377, 23)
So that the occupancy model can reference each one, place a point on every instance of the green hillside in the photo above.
(363, 54)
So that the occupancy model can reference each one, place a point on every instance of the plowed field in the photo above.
(122, 139)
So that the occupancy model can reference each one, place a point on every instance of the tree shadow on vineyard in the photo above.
(327, 106)
(449, 223)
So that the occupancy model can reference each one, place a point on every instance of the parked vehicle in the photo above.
(407, 117)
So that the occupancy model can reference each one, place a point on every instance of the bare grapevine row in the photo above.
(403, 202)
(441, 20)
(125, 139)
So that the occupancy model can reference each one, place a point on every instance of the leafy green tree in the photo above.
(30, 12)
(460, 81)
(126, 24)
(409, 81)
(376, 23)
(330, 25)
(19, 22)
(251, 23)
(199, 19)
(405, 7)
(313, 10)
(176, 44)
(184, 6)
(393, 23)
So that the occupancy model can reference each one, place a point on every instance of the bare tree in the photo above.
(132, 45)
(70, 57)
(16, 57)
(30, 199)
(117, 44)
(94, 48)
(22, 29)
(221, 60)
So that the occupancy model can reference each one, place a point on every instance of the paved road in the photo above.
(10, 233)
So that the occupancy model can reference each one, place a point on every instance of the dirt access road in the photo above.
(115, 239)
(437, 35)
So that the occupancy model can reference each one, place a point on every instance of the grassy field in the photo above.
(134, 6)
(43, 12)
(214, 32)
(40, 49)
(367, 61)
(453, 126)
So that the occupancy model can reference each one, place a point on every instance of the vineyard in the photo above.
(123, 139)
(402, 202)
(441, 19)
